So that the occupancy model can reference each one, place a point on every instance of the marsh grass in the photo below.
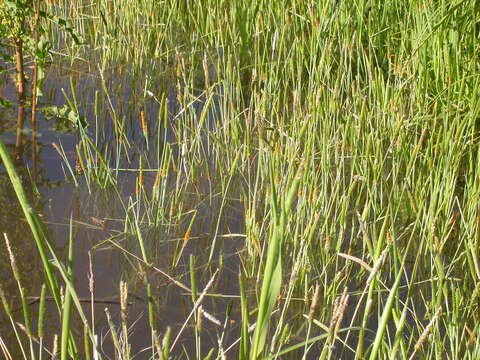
(223, 103)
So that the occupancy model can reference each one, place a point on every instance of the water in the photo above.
(103, 243)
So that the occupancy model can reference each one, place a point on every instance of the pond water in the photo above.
(108, 211)
(102, 239)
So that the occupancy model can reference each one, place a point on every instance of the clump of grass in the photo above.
(221, 102)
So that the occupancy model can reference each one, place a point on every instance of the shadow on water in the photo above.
(104, 243)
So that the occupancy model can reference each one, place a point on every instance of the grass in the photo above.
(345, 134)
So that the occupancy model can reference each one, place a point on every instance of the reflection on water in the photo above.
(105, 244)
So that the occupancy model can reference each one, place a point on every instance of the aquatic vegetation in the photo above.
(272, 179)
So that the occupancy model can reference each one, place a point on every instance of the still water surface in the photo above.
(101, 240)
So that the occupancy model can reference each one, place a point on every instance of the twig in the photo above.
(195, 306)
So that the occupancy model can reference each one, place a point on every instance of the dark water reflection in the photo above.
(98, 217)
